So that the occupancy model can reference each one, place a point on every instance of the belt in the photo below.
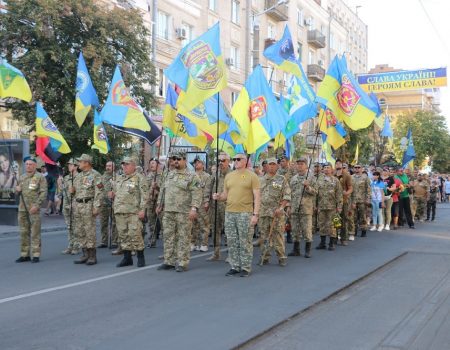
(83, 200)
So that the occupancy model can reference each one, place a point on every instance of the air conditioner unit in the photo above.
(307, 22)
(229, 61)
(320, 63)
(181, 33)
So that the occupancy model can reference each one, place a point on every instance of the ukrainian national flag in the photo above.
(100, 138)
(49, 143)
(86, 96)
(120, 109)
(341, 93)
(330, 126)
(13, 83)
(387, 131)
(257, 113)
(327, 150)
(410, 154)
(198, 70)
(356, 159)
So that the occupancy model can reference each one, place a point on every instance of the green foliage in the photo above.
(43, 39)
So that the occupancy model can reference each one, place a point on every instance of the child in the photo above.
(431, 203)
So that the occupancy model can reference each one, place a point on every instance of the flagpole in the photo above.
(217, 180)
(153, 193)
(111, 211)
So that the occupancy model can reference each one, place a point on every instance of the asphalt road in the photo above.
(58, 305)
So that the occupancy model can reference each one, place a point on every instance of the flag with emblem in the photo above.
(86, 96)
(327, 150)
(198, 70)
(330, 126)
(387, 131)
(259, 116)
(13, 82)
(341, 93)
(408, 145)
(100, 138)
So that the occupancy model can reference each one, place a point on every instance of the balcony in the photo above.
(316, 39)
(315, 72)
(269, 42)
(277, 12)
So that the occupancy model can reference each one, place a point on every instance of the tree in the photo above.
(43, 39)
(430, 136)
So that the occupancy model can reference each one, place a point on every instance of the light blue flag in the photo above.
(410, 153)
(387, 131)
(86, 96)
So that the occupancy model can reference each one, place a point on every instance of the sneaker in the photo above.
(387, 228)
(192, 247)
(197, 248)
(373, 228)
(380, 228)
(232, 272)
(351, 237)
(35, 260)
(23, 259)
(244, 273)
(203, 248)
(213, 258)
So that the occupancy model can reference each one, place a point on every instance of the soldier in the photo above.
(68, 206)
(361, 199)
(130, 194)
(87, 191)
(329, 193)
(201, 223)
(106, 213)
(317, 174)
(347, 189)
(275, 197)
(33, 188)
(285, 168)
(421, 194)
(432, 199)
(181, 200)
(153, 179)
(304, 190)
(224, 169)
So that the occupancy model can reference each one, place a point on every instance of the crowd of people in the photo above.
(275, 201)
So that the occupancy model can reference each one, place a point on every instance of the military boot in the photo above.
(323, 243)
(127, 260)
(282, 262)
(308, 250)
(83, 258)
(288, 237)
(92, 260)
(295, 250)
(141, 258)
(331, 244)
(363, 233)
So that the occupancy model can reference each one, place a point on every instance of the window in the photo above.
(160, 83)
(310, 57)
(271, 31)
(189, 34)
(310, 23)
(300, 17)
(332, 41)
(163, 25)
(299, 50)
(235, 11)
(212, 5)
(234, 55)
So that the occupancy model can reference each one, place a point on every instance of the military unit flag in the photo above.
(13, 82)
(100, 138)
(86, 96)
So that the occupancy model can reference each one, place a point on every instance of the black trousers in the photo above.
(431, 208)
(405, 211)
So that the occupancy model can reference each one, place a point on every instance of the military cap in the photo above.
(72, 161)
(327, 164)
(199, 160)
(302, 159)
(271, 160)
(264, 162)
(282, 157)
(317, 164)
(128, 160)
(29, 158)
(85, 158)
(180, 154)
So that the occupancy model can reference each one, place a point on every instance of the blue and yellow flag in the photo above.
(410, 153)
(13, 82)
(387, 131)
(120, 109)
(175, 123)
(199, 70)
(356, 158)
(46, 128)
(100, 138)
(86, 96)
(330, 126)
(327, 150)
(226, 142)
(341, 93)
(257, 113)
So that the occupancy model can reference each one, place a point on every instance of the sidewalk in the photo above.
(49, 223)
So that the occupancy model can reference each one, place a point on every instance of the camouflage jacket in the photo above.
(34, 190)
(287, 173)
(329, 193)
(421, 189)
(88, 184)
(67, 183)
(221, 181)
(274, 189)
(205, 184)
(107, 181)
(153, 193)
(131, 194)
(309, 194)
(361, 189)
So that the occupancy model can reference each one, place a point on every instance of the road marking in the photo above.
(91, 280)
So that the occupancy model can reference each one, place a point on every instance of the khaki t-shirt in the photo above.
(239, 185)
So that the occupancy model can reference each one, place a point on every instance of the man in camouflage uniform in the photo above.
(347, 189)
(181, 201)
(361, 199)
(33, 188)
(224, 169)
(303, 190)
(68, 206)
(201, 225)
(285, 168)
(153, 180)
(275, 197)
(130, 193)
(106, 213)
(329, 193)
(88, 192)
(421, 190)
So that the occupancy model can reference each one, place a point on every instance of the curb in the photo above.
(43, 229)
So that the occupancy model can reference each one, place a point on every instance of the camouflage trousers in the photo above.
(70, 227)
(348, 226)
(152, 217)
(326, 227)
(84, 225)
(220, 224)
(177, 238)
(105, 220)
(413, 205)
(200, 230)
(30, 237)
(129, 229)
(239, 236)
(361, 216)
(302, 227)
(272, 240)
(421, 207)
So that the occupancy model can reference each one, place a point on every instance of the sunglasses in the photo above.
(357, 167)
(237, 159)
(176, 158)
(222, 160)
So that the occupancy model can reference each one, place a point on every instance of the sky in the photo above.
(408, 34)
